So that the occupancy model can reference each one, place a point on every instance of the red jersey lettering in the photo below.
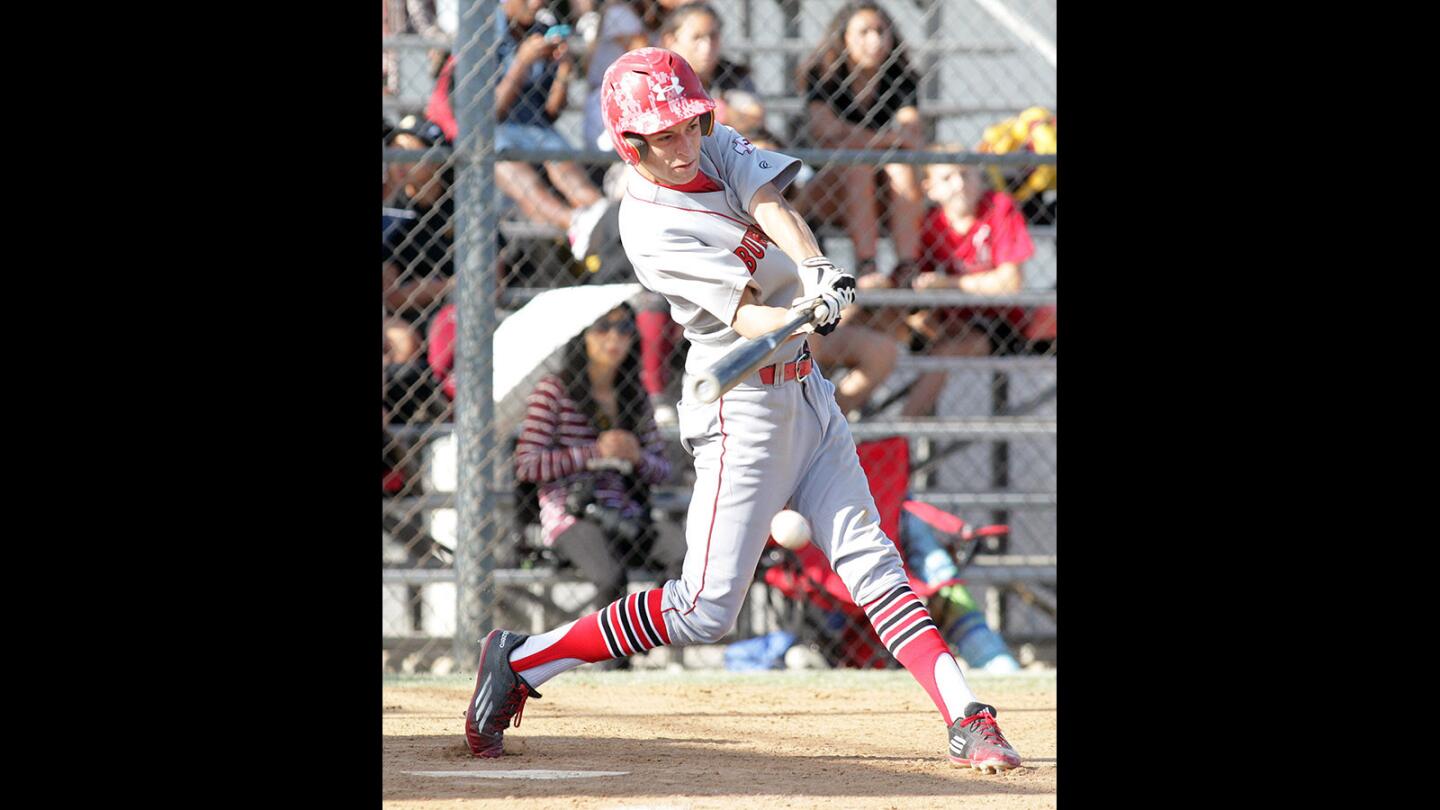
(752, 247)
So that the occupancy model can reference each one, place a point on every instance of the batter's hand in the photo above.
(818, 274)
(833, 301)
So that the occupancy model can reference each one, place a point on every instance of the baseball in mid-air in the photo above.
(790, 529)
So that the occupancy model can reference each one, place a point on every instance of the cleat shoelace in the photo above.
(514, 703)
(983, 723)
(520, 709)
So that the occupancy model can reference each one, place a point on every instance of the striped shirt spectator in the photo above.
(556, 442)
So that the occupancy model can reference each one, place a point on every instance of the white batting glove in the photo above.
(832, 302)
(819, 274)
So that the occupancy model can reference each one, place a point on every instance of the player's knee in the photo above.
(709, 626)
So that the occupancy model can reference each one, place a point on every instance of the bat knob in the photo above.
(820, 314)
(705, 388)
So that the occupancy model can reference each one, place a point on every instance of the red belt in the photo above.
(798, 369)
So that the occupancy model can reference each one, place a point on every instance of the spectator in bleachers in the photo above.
(535, 71)
(861, 93)
(410, 390)
(974, 240)
(435, 20)
(590, 442)
(624, 26)
(440, 349)
(416, 235)
(694, 31)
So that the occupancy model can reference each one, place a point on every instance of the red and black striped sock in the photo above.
(626, 626)
(905, 628)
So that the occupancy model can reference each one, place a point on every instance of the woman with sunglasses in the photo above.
(590, 443)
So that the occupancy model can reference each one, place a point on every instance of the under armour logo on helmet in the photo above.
(669, 92)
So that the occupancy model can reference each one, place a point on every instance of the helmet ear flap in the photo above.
(707, 122)
(638, 144)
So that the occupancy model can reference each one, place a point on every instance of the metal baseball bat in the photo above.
(708, 385)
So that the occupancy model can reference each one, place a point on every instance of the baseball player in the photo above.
(705, 225)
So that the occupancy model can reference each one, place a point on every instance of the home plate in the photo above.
(536, 774)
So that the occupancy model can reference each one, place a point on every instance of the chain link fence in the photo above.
(927, 129)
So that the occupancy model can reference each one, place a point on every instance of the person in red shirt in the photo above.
(972, 239)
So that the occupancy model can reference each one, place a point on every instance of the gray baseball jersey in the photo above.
(701, 249)
(759, 447)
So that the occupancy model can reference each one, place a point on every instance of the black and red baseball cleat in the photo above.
(976, 741)
(499, 695)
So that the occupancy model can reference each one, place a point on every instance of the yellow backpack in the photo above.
(1031, 131)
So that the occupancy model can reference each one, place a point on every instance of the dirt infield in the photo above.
(836, 739)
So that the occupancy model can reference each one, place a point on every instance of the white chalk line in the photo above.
(535, 774)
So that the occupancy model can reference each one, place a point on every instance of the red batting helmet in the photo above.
(646, 91)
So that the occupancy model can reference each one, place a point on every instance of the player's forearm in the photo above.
(783, 224)
(753, 319)
(757, 320)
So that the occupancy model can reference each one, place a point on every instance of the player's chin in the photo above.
(685, 172)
